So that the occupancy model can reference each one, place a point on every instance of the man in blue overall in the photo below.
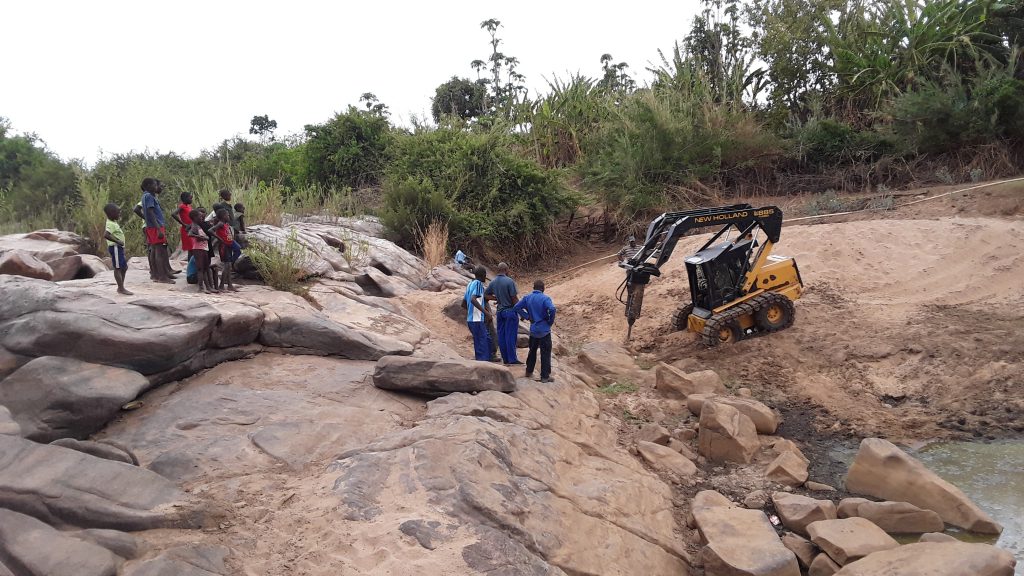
(540, 311)
(476, 315)
(503, 290)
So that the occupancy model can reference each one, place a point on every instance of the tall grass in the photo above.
(281, 266)
(434, 242)
(89, 215)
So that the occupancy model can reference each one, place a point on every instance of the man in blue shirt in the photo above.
(503, 290)
(540, 311)
(476, 315)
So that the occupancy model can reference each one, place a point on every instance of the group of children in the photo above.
(212, 241)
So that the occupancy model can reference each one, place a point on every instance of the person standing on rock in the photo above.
(504, 292)
(115, 245)
(181, 216)
(538, 308)
(476, 315)
(156, 233)
(225, 205)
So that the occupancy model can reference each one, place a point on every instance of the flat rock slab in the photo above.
(935, 559)
(438, 377)
(742, 542)
(31, 547)
(293, 326)
(68, 488)
(882, 470)
(666, 459)
(900, 517)
(797, 512)
(53, 397)
(849, 539)
(196, 560)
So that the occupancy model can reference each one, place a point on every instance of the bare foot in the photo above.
(125, 292)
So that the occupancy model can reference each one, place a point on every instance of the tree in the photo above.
(507, 88)
(374, 106)
(458, 97)
(616, 79)
(350, 149)
(263, 127)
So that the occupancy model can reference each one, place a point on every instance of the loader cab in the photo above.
(716, 274)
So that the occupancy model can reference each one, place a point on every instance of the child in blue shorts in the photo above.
(115, 246)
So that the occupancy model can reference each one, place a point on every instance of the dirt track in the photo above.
(911, 328)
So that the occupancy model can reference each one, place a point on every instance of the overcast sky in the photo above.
(115, 76)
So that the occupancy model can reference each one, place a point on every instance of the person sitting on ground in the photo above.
(476, 315)
(229, 249)
(115, 246)
(181, 216)
(200, 252)
(503, 291)
(538, 308)
(463, 261)
(629, 250)
(156, 233)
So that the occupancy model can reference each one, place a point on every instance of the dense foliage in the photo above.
(761, 96)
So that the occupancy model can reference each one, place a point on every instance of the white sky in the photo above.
(116, 76)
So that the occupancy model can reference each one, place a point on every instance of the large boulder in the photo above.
(77, 266)
(439, 377)
(804, 549)
(105, 450)
(35, 549)
(67, 488)
(882, 470)
(822, 565)
(675, 383)
(45, 245)
(849, 539)
(740, 542)
(763, 417)
(444, 278)
(797, 512)
(666, 459)
(935, 559)
(900, 517)
(606, 359)
(295, 327)
(53, 397)
(726, 435)
(19, 263)
(311, 254)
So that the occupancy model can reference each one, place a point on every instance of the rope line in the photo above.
(805, 218)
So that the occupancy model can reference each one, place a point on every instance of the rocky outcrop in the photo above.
(606, 359)
(438, 377)
(296, 327)
(53, 397)
(739, 541)
(725, 434)
(899, 517)
(31, 547)
(45, 245)
(797, 512)
(77, 267)
(849, 539)
(8, 426)
(534, 474)
(105, 450)
(935, 559)
(19, 263)
(882, 470)
(66, 488)
(444, 278)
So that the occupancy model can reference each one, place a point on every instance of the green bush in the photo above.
(280, 267)
(477, 182)
(348, 150)
(826, 142)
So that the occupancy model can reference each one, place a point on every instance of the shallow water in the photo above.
(992, 474)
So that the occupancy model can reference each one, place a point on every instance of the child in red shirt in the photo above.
(182, 214)
(229, 249)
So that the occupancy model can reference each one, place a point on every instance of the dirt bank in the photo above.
(911, 326)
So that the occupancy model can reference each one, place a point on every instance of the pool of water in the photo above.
(992, 474)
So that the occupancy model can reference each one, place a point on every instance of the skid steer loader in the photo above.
(737, 286)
